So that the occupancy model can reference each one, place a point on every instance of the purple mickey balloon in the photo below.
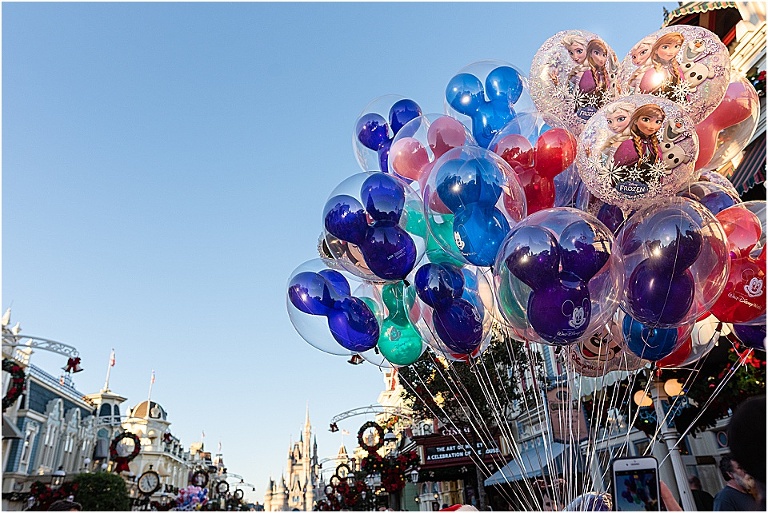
(750, 336)
(312, 294)
(657, 298)
(612, 217)
(560, 312)
(384, 197)
(459, 326)
(583, 251)
(401, 112)
(673, 241)
(337, 281)
(534, 258)
(372, 131)
(345, 219)
(389, 251)
(353, 325)
(438, 284)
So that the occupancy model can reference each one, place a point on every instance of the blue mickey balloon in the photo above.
(345, 219)
(352, 323)
(583, 252)
(648, 343)
(750, 335)
(373, 130)
(560, 312)
(658, 298)
(383, 197)
(458, 322)
(465, 94)
(534, 258)
(673, 241)
(478, 232)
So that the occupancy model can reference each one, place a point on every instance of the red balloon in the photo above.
(555, 151)
(735, 107)
(539, 191)
(742, 229)
(676, 357)
(744, 296)
(515, 150)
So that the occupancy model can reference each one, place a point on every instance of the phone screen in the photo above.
(636, 490)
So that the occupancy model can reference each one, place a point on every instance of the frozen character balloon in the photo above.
(685, 64)
(573, 74)
(651, 157)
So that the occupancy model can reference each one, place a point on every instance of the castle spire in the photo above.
(307, 425)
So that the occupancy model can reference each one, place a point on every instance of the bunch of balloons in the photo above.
(191, 498)
(578, 206)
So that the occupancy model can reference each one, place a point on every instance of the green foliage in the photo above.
(102, 491)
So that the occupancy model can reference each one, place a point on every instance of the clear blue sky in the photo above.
(164, 170)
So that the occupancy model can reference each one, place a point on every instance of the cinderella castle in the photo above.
(296, 489)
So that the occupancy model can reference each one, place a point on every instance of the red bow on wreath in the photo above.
(73, 365)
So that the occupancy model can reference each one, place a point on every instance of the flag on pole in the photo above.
(219, 447)
(203, 433)
(112, 358)
(152, 381)
(344, 432)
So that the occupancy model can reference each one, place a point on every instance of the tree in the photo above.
(102, 491)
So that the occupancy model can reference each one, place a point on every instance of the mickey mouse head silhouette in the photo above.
(376, 134)
(466, 95)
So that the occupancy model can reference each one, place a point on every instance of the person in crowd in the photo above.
(67, 504)
(735, 495)
(703, 499)
(746, 440)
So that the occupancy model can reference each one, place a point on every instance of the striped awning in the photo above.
(751, 171)
(695, 7)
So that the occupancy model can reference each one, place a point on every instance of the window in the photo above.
(26, 451)
(105, 410)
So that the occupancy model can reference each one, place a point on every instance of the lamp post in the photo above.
(58, 478)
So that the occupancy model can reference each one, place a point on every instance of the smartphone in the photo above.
(635, 484)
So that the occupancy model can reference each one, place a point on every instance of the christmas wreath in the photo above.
(18, 379)
(122, 461)
(378, 444)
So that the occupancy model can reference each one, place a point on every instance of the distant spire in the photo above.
(306, 422)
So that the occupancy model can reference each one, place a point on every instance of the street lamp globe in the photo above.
(390, 438)
(414, 475)
(642, 399)
(673, 387)
(58, 478)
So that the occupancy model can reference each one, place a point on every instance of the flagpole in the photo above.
(149, 395)
(109, 368)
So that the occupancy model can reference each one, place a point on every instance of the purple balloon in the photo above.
(673, 241)
(459, 326)
(353, 325)
(655, 297)
(337, 281)
(389, 251)
(384, 197)
(438, 284)
(560, 312)
(401, 112)
(612, 217)
(534, 258)
(717, 201)
(582, 251)
(750, 336)
(345, 219)
(372, 131)
(312, 293)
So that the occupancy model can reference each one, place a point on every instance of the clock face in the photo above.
(238, 494)
(222, 487)
(149, 482)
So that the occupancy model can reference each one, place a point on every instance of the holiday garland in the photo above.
(122, 461)
(18, 379)
(44, 496)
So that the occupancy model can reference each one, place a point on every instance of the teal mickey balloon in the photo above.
(398, 341)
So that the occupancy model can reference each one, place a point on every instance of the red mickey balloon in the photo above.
(555, 151)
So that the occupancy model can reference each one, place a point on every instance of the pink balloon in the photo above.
(736, 106)
(408, 158)
(444, 134)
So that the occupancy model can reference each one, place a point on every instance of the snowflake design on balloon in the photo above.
(658, 170)
(681, 93)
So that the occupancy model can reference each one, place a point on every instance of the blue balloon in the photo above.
(582, 251)
(657, 298)
(312, 294)
(479, 232)
(751, 335)
(401, 112)
(504, 84)
(717, 201)
(337, 281)
(459, 325)
(373, 131)
(674, 242)
(345, 219)
(383, 197)
(389, 251)
(534, 256)
(560, 313)
(612, 217)
(648, 343)
(438, 284)
(353, 325)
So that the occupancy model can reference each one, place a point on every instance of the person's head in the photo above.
(733, 473)
(597, 54)
(694, 482)
(65, 505)
(666, 47)
(618, 115)
(746, 437)
(641, 51)
(576, 46)
(647, 120)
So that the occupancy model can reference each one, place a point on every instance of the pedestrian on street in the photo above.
(703, 499)
(735, 495)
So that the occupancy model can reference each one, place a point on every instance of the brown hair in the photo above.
(649, 109)
(669, 37)
(596, 44)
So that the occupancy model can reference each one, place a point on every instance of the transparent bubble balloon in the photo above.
(542, 155)
(573, 74)
(557, 278)
(685, 64)
(423, 140)
(452, 307)
(675, 263)
(486, 96)
(332, 309)
(743, 298)
(471, 199)
(377, 125)
(372, 226)
(637, 150)
(713, 196)
(729, 128)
